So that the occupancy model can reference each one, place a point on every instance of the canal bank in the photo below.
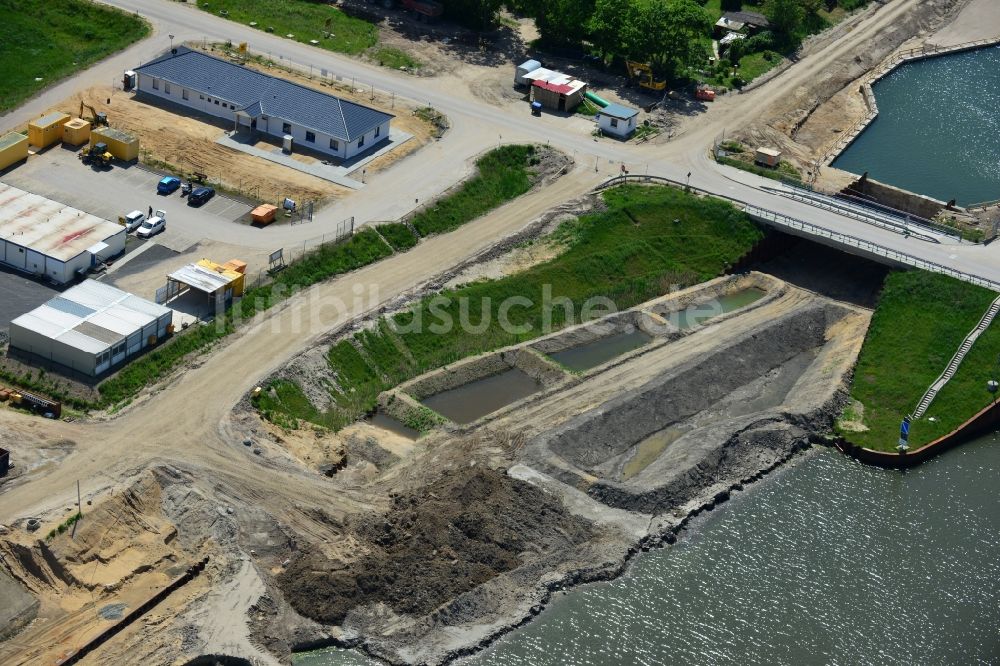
(931, 126)
(825, 561)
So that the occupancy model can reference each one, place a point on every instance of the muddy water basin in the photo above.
(592, 354)
(699, 313)
(466, 403)
(382, 420)
(649, 449)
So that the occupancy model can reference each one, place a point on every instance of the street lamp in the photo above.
(687, 184)
(171, 43)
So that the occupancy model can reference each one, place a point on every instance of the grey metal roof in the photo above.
(261, 94)
(618, 111)
(753, 18)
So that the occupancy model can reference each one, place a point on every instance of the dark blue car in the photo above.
(168, 184)
(200, 196)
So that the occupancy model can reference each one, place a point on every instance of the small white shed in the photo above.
(525, 67)
(617, 120)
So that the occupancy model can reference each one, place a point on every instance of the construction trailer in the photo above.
(13, 149)
(769, 157)
(50, 240)
(76, 132)
(122, 145)
(91, 328)
(523, 69)
(47, 130)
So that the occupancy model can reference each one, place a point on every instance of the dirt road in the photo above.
(185, 419)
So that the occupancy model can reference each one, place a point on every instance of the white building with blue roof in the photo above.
(256, 101)
(617, 120)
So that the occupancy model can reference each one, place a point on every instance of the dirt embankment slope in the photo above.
(813, 102)
(433, 544)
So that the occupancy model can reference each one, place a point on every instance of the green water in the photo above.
(593, 354)
(466, 403)
(825, 562)
(938, 129)
(699, 313)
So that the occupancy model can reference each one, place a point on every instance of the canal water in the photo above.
(938, 129)
(825, 562)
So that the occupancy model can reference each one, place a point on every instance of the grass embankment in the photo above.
(309, 21)
(399, 235)
(741, 158)
(503, 174)
(920, 321)
(305, 20)
(45, 41)
(648, 240)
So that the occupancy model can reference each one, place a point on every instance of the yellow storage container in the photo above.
(76, 132)
(48, 129)
(13, 149)
(120, 144)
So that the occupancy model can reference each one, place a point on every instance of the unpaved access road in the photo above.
(181, 420)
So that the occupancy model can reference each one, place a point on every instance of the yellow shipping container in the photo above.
(123, 146)
(47, 130)
(233, 270)
(76, 132)
(13, 149)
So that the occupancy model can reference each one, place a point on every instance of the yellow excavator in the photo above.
(95, 117)
(642, 73)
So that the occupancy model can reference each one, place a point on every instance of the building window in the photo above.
(166, 88)
(614, 122)
(201, 97)
(311, 137)
(378, 130)
(216, 102)
(361, 141)
(334, 144)
(286, 128)
(184, 93)
(156, 84)
(118, 348)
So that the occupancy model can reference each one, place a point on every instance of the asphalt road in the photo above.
(477, 125)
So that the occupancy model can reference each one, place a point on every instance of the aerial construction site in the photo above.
(372, 338)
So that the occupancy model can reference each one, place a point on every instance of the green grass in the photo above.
(393, 58)
(755, 64)
(920, 321)
(784, 171)
(648, 240)
(50, 40)
(399, 235)
(503, 174)
(305, 20)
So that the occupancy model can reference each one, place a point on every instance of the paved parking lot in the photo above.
(59, 175)
(20, 294)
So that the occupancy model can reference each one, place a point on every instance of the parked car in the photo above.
(134, 220)
(168, 184)
(153, 225)
(200, 196)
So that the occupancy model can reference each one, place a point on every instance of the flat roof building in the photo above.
(263, 103)
(617, 120)
(555, 90)
(52, 240)
(91, 328)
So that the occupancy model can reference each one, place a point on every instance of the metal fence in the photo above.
(285, 256)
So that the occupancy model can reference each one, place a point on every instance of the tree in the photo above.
(667, 33)
(564, 21)
(605, 25)
(474, 14)
(786, 16)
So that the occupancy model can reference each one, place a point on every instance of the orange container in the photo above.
(264, 213)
